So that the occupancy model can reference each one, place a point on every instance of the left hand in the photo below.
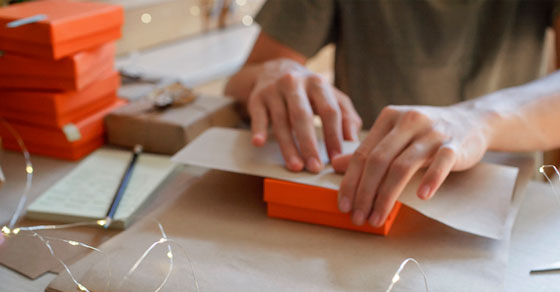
(403, 140)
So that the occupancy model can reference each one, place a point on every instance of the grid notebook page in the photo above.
(88, 190)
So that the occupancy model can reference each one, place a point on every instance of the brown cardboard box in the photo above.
(167, 131)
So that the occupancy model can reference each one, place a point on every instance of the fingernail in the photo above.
(424, 192)
(375, 220)
(334, 154)
(295, 164)
(313, 164)
(358, 217)
(344, 205)
(258, 139)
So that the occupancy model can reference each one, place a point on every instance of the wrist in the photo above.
(485, 118)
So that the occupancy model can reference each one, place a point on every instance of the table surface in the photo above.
(534, 240)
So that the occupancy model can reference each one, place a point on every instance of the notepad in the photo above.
(87, 191)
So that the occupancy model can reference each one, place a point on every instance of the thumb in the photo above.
(340, 163)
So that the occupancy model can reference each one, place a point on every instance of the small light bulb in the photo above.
(6, 230)
(162, 240)
(247, 20)
(195, 10)
(16, 231)
(29, 169)
(71, 242)
(146, 18)
(101, 222)
(541, 169)
(82, 288)
(169, 255)
(396, 278)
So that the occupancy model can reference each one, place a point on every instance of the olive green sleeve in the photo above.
(303, 25)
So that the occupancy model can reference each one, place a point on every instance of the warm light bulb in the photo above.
(169, 255)
(396, 278)
(29, 169)
(71, 242)
(541, 169)
(82, 288)
(101, 222)
(247, 20)
(146, 18)
(16, 230)
(6, 230)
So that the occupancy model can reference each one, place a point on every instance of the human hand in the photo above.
(286, 95)
(403, 140)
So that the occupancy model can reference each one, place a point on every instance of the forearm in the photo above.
(523, 118)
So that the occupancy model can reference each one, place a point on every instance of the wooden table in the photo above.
(535, 237)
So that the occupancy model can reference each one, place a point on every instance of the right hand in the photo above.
(287, 95)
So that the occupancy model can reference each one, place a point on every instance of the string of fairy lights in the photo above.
(33, 232)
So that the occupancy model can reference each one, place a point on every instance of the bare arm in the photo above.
(278, 90)
(405, 139)
(524, 118)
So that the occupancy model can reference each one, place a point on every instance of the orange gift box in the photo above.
(310, 204)
(68, 74)
(56, 109)
(69, 27)
(72, 142)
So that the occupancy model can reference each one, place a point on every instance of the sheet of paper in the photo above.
(475, 201)
(221, 223)
(88, 190)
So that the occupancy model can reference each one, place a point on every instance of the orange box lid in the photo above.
(58, 121)
(339, 220)
(300, 195)
(58, 103)
(69, 74)
(75, 135)
(67, 152)
(70, 26)
(305, 203)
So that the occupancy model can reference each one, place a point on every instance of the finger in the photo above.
(283, 133)
(375, 168)
(439, 169)
(328, 109)
(401, 170)
(340, 163)
(351, 121)
(301, 118)
(352, 178)
(259, 121)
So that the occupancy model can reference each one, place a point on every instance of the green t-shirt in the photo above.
(431, 52)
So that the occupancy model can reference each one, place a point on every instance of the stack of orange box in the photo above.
(310, 204)
(57, 76)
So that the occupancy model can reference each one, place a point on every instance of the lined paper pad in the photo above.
(88, 190)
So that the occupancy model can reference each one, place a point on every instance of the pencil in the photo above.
(122, 186)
